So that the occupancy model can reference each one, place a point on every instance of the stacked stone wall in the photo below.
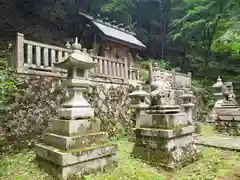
(29, 113)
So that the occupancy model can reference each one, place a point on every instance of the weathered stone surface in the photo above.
(74, 113)
(65, 158)
(79, 169)
(79, 141)
(170, 159)
(230, 143)
(75, 127)
(165, 133)
(157, 143)
(163, 121)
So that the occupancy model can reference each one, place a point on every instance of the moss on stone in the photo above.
(85, 148)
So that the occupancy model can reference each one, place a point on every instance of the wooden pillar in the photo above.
(20, 53)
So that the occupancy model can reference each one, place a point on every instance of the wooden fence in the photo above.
(37, 58)
(177, 80)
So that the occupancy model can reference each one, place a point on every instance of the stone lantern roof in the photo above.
(138, 93)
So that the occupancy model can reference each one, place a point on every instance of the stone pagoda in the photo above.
(76, 146)
(167, 138)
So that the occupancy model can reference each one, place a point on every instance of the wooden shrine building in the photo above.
(107, 39)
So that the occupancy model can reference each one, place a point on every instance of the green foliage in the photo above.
(8, 80)
(204, 99)
(213, 163)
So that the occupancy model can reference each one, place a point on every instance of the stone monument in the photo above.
(76, 146)
(167, 139)
(227, 118)
(219, 97)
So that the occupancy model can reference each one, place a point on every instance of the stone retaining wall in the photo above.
(36, 102)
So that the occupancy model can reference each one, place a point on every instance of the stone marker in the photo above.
(167, 140)
(76, 146)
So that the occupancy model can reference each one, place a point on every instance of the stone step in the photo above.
(79, 141)
(75, 127)
(66, 158)
(165, 133)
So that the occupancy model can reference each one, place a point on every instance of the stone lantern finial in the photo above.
(76, 45)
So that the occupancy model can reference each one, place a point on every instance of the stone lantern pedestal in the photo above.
(188, 106)
(76, 146)
(167, 140)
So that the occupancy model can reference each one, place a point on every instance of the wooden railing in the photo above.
(178, 80)
(38, 58)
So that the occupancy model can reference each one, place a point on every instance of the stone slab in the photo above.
(75, 127)
(79, 169)
(228, 118)
(223, 142)
(165, 121)
(75, 113)
(66, 158)
(75, 142)
(165, 133)
(163, 144)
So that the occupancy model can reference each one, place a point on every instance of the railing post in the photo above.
(190, 79)
(20, 53)
(126, 68)
(174, 78)
(150, 73)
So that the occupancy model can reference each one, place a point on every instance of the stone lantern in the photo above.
(165, 138)
(140, 102)
(218, 92)
(188, 105)
(76, 146)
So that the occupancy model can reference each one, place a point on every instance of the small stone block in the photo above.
(79, 141)
(75, 127)
(65, 158)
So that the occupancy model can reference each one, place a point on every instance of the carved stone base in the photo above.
(173, 159)
(170, 148)
(76, 162)
(228, 122)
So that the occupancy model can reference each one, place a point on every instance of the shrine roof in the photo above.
(114, 33)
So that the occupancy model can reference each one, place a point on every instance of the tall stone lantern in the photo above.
(76, 146)
(139, 102)
(188, 105)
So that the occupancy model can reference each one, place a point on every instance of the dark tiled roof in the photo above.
(115, 32)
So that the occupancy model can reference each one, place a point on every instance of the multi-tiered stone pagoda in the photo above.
(76, 146)
(166, 137)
